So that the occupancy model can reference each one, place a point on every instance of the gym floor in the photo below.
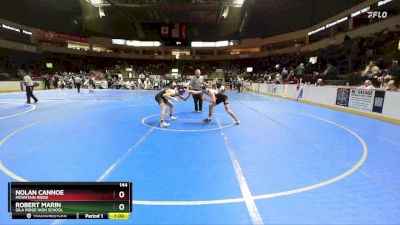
(287, 163)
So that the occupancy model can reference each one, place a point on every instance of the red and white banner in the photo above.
(165, 30)
(63, 36)
(183, 31)
(175, 31)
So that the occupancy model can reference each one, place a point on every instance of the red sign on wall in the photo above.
(63, 36)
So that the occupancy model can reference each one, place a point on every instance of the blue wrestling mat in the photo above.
(287, 163)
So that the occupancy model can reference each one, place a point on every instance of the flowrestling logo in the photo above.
(378, 14)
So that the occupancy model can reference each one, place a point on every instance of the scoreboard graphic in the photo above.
(70, 200)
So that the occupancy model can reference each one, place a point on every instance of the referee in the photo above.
(78, 83)
(196, 84)
(29, 85)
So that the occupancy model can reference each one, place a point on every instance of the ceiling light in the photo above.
(237, 3)
(225, 12)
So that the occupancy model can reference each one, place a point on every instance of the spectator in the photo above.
(300, 70)
(319, 82)
(285, 73)
(371, 70)
(231, 83)
(156, 84)
(330, 72)
(384, 80)
(372, 73)
(394, 71)
(239, 83)
(92, 84)
(291, 75)
(278, 79)
(392, 86)
(367, 85)
(46, 80)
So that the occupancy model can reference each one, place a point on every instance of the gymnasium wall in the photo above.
(378, 104)
(17, 46)
(6, 86)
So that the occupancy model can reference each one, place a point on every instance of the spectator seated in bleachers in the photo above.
(367, 85)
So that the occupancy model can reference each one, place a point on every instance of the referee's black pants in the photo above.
(78, 86)
(29, 94)
(198, 102)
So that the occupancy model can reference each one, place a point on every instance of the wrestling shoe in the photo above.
(173, 117)
(207, 120)
(164, 124)
(237, 122)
